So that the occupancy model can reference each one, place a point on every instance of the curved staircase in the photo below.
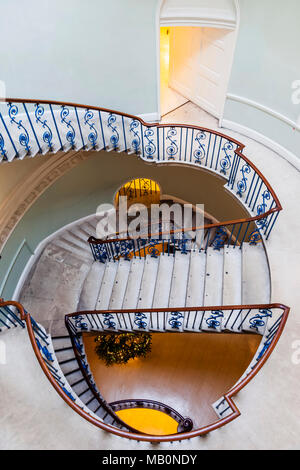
(218, 283)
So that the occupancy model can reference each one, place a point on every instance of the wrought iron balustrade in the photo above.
(30, 127)
(217, 236)
(78, 322)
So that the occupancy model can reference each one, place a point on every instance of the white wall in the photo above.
(215, 13)
(94, 52)
(267, 61)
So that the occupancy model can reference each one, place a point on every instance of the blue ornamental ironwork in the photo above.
(149, 147)
(125, 247)
(219, 239)
(136, 141)
(84, 365)
(255, 237)
(225, 162)
(115, 137)
(258, 319)
(262, 208)
(69, 394)
(77, 344)
(24, 136)
(101, 252)
(47, 135)
(44, 350)
(2, 147)
(139, 320)
(200, 153)
(93, 134)
(79, 323)
(172, 148)
(212, 321)
(71, 134)
(108, 320)
(174, 321)
(242, 184)
(181, 244)
(264, 349)
(152, 249)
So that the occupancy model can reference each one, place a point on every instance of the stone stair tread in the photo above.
(195, 289)
(146, 292)
(133, 283)
(106, 286)
(163, 282)
(213, 277)
(162, 289)
(178, 290)
(120, 283)
(196, 279)
(91, 287)
(179, 280)
(148, 282)
(70, 247)
(232, 279)
(256, 288)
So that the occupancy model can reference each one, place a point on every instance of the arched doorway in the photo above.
(197, 41)
(139, 191)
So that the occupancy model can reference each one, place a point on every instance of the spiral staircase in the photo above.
(213, 282)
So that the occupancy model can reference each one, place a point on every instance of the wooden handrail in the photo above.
(239, 386)
(238, 151)
(182, 309)
(173, 437)
(157, 405)
(98, 241)
(103, 404)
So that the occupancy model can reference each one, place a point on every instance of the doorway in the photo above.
(195, 65)
(195, 53)
(170, 98)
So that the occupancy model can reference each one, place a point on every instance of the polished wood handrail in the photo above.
(240, 385)
(182, 309)
(173, 437)
(238, 151)
(146, 400)
(98, 241)
(156, 405)
(103, 403)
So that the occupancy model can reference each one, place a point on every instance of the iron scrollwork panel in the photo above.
(47, 134)
(88, 121)
(200, 152)
(23, 138)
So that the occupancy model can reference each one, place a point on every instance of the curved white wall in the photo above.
(266, 63)
(215, 13)
(95, 52)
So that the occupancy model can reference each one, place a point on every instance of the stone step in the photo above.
(162, 289)
(256, 286)
(133, 283)
(147, 288)
(91, 287)
(213, 277)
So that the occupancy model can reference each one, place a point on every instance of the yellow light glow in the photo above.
(149, 421)
(140, 190)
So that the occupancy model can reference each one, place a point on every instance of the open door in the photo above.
(200, 61)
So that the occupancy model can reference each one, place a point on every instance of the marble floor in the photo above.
(190, 371)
